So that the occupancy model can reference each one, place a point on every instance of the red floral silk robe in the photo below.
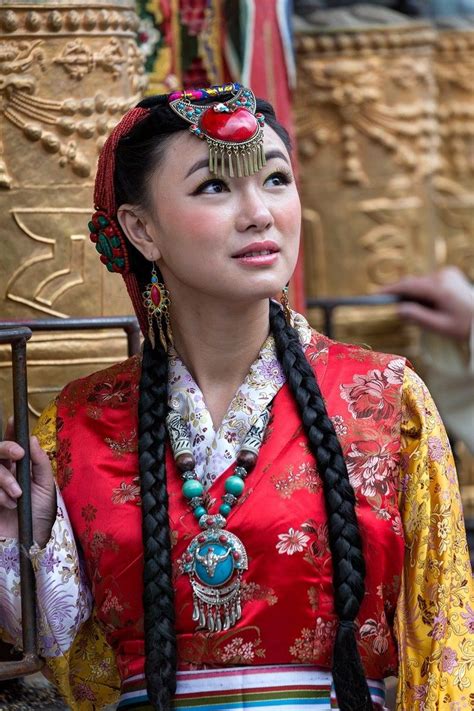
(288, 611)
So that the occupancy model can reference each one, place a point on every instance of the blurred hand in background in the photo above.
(442, 302)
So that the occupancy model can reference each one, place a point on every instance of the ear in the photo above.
(139, 230)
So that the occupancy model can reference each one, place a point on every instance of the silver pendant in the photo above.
(215, 560)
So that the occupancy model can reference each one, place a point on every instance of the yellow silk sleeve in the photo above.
(434, 621)
(86, 675)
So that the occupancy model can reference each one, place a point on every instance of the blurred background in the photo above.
(379, 100)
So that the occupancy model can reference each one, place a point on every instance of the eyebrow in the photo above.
(204, 162)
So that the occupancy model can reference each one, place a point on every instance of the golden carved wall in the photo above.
(68, 71)
(453, 192)
(367, 138)
(385, 125)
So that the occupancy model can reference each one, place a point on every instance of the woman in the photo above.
(301, 527)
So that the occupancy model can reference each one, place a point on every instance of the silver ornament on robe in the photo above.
(215, 560)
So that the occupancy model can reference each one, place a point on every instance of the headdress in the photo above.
(234, 133)
(232, 129)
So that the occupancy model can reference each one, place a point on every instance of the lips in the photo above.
(257, 249)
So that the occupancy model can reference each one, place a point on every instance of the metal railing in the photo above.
(30, 661)
(129, 324)
(329, 304)
(17, 333)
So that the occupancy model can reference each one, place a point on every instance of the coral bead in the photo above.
(239, 125)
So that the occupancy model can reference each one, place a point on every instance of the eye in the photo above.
(278, 178)
(211, 187)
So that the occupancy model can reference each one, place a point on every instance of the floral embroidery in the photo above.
(125, 444)
(469, 617)
(292, 542)
(378, 632)
(89, 512)
(311, 644)
(9, 559)
(113, 393)
(394, 372)
(339, 426)
(253, 591)
(64, 470)
(240, 652)
(371, 465)
(127, 492)
(368, 396)
(306, 477)
(318, 552)
(313, 597)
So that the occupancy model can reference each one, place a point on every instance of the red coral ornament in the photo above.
(235, 126)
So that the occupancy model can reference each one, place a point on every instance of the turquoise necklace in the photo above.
(215, 559)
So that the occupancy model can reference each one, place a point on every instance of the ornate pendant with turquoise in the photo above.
(215, 560)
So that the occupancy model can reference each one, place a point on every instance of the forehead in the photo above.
(183, 150)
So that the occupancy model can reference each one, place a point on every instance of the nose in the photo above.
(254, 213)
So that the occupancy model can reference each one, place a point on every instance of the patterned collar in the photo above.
(216, 451)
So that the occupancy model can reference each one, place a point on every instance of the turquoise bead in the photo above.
(199, 511)
(234, 485)
(192, 488)
(225, 509)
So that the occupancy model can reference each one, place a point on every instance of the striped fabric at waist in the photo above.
(271, 688)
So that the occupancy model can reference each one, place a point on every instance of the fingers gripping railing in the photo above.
(30, 662)
(17, 333)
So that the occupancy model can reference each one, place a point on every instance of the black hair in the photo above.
(137, 155)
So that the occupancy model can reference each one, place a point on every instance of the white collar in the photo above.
(215, 451)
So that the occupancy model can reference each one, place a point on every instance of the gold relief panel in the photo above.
(454, 183)
(68, 72)
(366, 124)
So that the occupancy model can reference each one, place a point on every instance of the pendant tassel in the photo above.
(239, 164)
(246, 164)
(231, 167)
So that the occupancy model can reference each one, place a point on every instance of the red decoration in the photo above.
(237, 126)
(117, 566)
(155, 295)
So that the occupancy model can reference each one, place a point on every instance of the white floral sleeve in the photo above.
(64, 599)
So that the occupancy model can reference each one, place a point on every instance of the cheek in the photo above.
(190, 232)
(288, 218)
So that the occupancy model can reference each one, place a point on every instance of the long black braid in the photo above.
(136, 157)
(158, 595)
(344, 537)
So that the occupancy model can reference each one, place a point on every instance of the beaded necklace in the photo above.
(216, 558)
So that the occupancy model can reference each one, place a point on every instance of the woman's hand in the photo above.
(43, 492)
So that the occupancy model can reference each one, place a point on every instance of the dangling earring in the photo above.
(284, 301)
(156, 300)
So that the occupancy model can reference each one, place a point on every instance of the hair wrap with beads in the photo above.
(105, 232)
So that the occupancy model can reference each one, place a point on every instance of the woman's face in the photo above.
(235, 239)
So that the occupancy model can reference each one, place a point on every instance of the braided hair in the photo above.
(344, 537)
(138, 154)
